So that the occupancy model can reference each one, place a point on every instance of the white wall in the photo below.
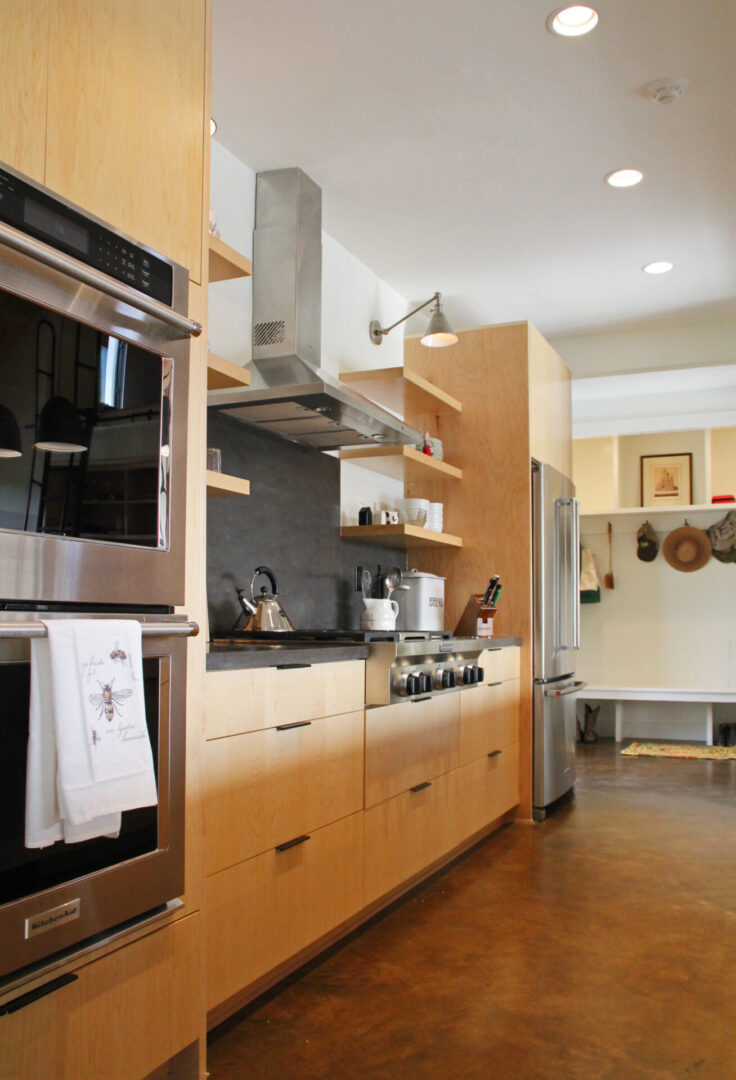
(352, 295)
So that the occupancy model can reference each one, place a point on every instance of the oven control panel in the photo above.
(50, 220)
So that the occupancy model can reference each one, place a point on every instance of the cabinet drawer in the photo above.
(501, 664)
(489, 719)
(264, 787)
(125, 1015)
(261, 912)
(487, 788)
(407, 833)
(253, 698)
(408, 743)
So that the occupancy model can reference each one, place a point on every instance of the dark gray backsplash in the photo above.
(290, 522)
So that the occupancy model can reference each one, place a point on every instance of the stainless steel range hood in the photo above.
(299, 401)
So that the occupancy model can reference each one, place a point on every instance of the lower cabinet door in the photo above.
(124, 1015)
(405, 834)
(489, 719)
(487, 788)
(263, 911)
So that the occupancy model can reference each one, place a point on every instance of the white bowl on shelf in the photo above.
(416, 511)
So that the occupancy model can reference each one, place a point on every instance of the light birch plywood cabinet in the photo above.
(516, 399)
(24, 33)
(125, 132)
(121, 1017)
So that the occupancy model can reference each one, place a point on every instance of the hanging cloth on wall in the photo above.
(590, 582)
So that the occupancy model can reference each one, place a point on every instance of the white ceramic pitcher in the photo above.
(379, 614)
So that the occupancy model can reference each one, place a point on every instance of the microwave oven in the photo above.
(94, 357)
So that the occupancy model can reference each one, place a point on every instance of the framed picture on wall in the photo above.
(666, 480)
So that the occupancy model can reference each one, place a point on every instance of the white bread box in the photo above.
(422, 607)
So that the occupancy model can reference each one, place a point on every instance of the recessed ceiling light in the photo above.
(658, 268)
(213, 126)
(573, 21)
(625, 177)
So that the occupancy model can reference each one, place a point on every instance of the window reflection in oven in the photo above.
(24, 871)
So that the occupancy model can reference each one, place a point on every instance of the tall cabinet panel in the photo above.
(24, 34)
(125, 96)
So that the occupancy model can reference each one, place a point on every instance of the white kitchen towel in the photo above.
(104, 763)
(44, 824)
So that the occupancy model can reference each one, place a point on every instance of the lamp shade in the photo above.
(9, 434)
(61, 429)
(439, 332)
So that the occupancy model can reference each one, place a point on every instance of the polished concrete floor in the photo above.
(600, 945)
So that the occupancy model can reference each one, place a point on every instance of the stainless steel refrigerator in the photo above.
(556, 633)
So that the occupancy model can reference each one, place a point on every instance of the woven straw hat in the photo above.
(687, 548)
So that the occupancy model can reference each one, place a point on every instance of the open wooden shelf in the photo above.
(225, 262)
(220, 485)
(399, 536)
(402, 391)
(401, 463)
(223, 374)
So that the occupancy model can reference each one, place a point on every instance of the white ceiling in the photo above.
(462, 147)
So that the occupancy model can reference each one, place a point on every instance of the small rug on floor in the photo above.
(683, 750)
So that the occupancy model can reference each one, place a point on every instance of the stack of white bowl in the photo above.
(416, 512)
(435, 516)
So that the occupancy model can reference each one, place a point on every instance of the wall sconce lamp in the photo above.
(9, 434)
(438, 333)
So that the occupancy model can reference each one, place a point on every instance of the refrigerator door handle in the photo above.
(574, 689)
(567, 570)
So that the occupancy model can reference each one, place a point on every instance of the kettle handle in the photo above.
(271, 577)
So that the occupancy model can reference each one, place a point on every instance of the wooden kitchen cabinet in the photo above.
(266, 909)
(252, 698)
(125, 122)
(408, 743)
(266, 787)
(24, 33)
(489, 719)
(489, 787)
(409, 832)
(124, 1016)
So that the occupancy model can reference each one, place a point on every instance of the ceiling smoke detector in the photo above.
(665, 91)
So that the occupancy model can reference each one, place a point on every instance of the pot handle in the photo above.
(271, 577)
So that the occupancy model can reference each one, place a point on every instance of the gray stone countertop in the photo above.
(227, 656)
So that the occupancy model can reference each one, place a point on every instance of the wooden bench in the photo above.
(619, 695)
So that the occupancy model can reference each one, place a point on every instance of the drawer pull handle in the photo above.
(421, 787)
(495, 753)
(297, 723)
(290, 667)
(494, 684)
(416, 700)
(34, 995)
(292, 843)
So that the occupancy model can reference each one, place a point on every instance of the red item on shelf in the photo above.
(723, 499)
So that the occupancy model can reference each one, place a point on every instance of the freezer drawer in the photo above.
(554, 742)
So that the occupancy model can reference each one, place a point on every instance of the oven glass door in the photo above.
(84, 430)
(24, 871)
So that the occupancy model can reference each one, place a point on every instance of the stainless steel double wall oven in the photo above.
(94, 358)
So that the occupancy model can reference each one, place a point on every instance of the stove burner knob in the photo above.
(425, 683)
(414, 684)
(407, 685)
(438, 679)
(469, 674)
(448, 679)
(481, 674)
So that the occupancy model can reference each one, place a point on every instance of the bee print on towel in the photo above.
(118, 653)
(108, 702)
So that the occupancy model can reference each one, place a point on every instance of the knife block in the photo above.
(477, 618)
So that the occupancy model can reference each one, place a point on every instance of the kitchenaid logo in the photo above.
(47, 920)
(436, 601)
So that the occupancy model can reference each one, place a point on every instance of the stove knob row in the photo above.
(444, 679)
(469, 674)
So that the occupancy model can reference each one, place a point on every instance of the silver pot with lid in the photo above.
(422, 606)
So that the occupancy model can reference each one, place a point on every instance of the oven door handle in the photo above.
(65, 264)
(34, 629)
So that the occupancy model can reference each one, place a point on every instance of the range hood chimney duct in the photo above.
(299, 401)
